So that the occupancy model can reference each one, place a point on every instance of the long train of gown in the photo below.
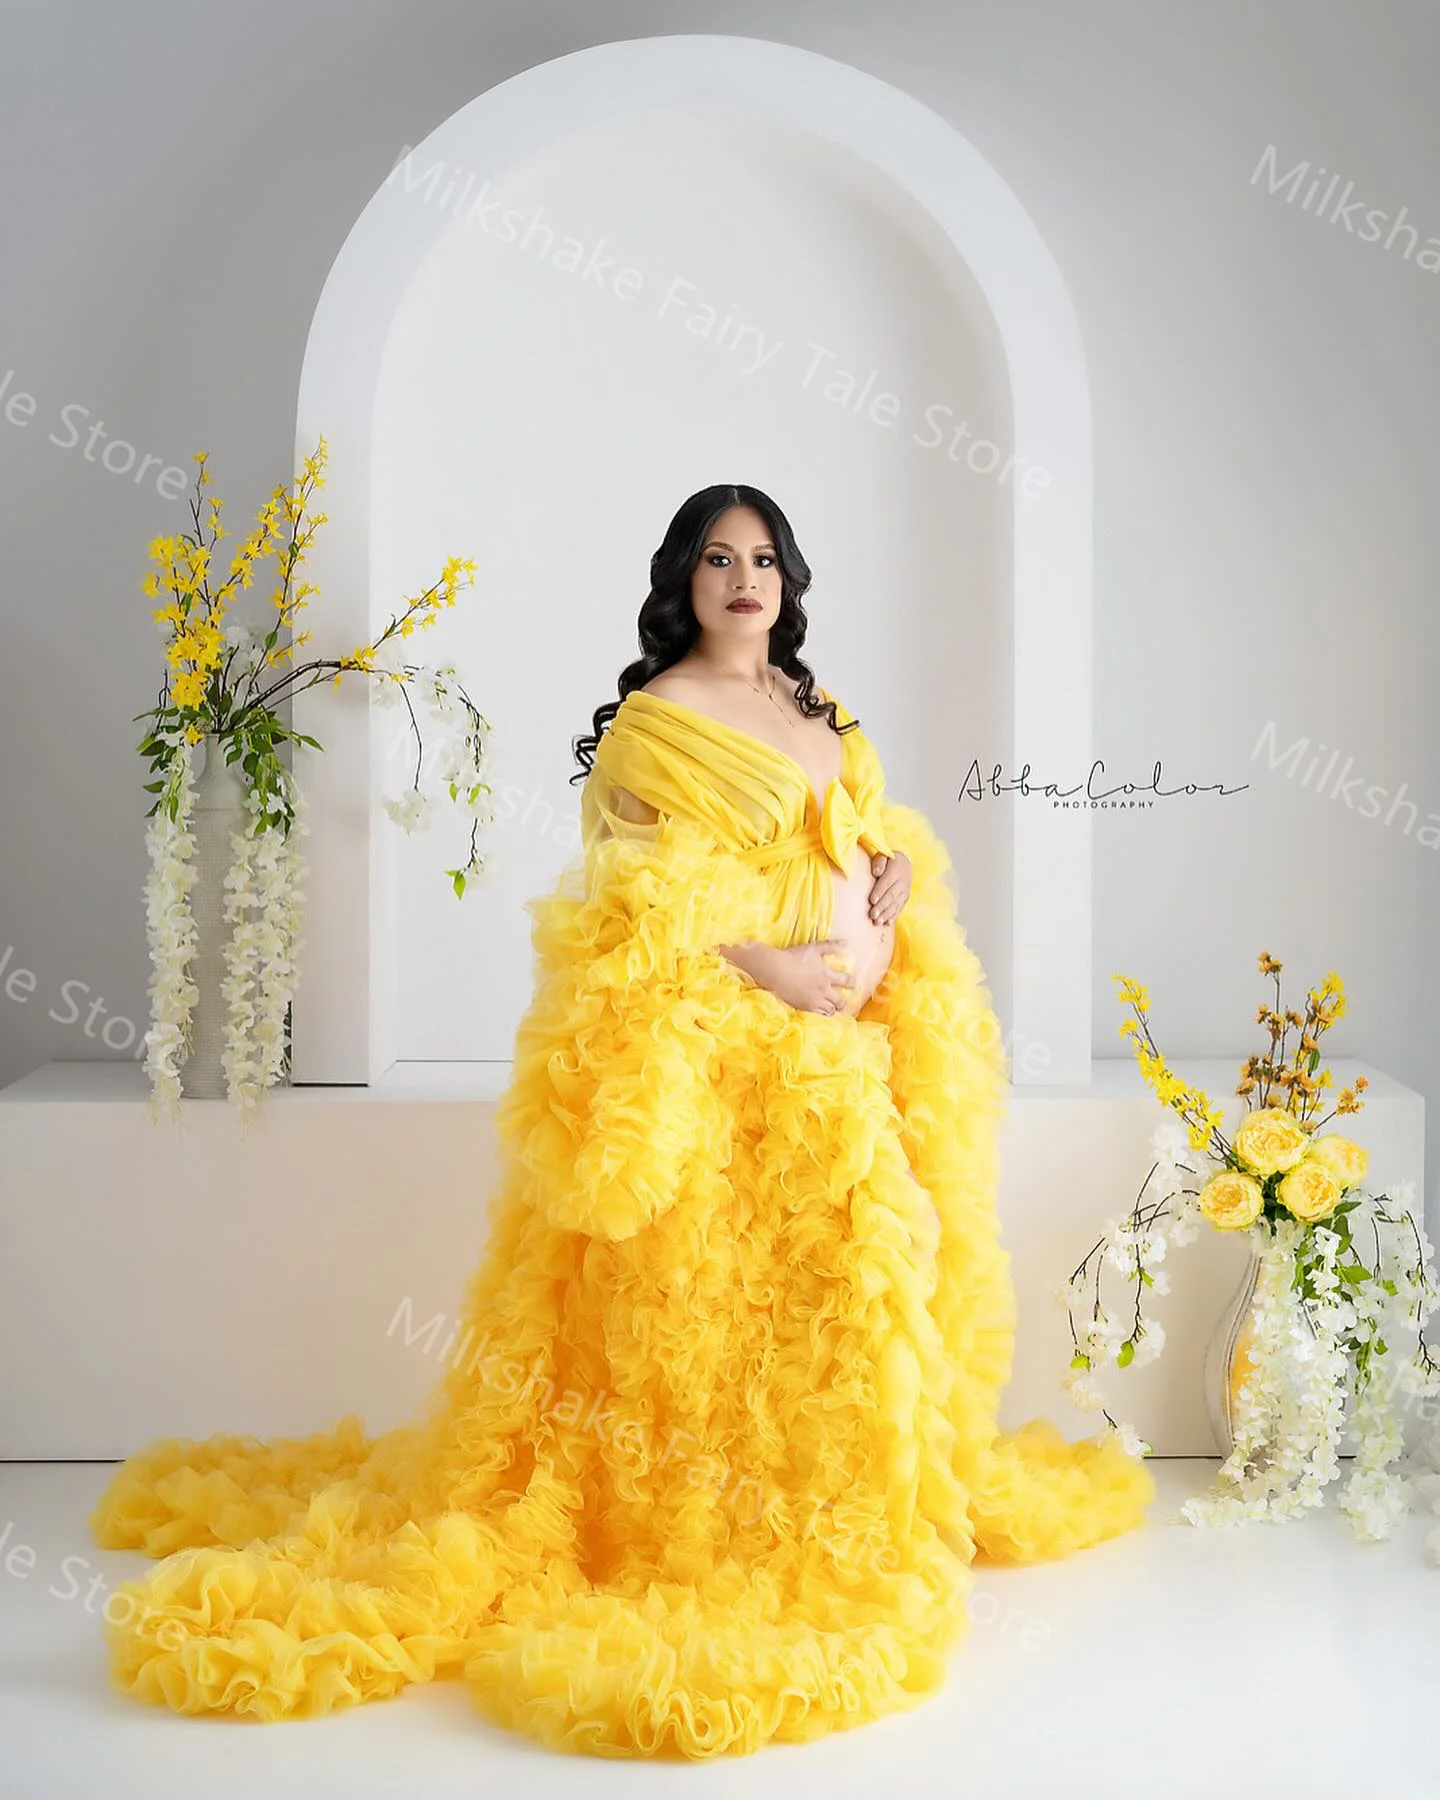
(718, 1447)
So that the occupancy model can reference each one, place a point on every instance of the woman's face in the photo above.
(737, 564)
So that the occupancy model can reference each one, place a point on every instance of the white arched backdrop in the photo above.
(577, 301)
(481, 398)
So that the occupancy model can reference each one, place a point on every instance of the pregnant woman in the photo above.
(716, 1442)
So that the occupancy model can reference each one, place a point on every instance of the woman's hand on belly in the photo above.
(863, 944)
(799, 974)
(891, 886)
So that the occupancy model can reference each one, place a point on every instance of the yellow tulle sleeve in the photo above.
(617, 1057)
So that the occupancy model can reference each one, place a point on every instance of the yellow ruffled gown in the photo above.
(717, 1445)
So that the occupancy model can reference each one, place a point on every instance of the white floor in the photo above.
(1278, 1661)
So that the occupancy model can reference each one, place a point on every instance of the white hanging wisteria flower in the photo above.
(411, 811)
(1083, 1391)
(1132, 1443)
(458, 760)
(263, 910)
(389, 665)
(171, 935)
(1290, 1407)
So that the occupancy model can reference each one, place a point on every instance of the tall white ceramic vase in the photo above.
(219, 810)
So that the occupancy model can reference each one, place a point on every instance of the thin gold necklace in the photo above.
(784, 710)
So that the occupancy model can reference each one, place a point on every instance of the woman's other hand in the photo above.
(805, 980)
(891, 888)
(798, 973)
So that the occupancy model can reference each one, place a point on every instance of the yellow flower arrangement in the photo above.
(1232, 1201)
(1284, 1086)
(1346, 1161)
(228, 681)
(1308, 1192)
(1271, 1140)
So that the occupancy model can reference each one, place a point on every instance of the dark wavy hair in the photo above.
(668, 627)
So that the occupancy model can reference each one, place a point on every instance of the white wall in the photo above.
(1264, 387)
(974, 316)
(549, 427)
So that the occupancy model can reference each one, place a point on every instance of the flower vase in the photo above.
(1227, 1356)
(218, 811)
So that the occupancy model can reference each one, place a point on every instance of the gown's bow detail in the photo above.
(847, 820)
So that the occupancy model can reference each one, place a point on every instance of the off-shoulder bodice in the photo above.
(760, 804)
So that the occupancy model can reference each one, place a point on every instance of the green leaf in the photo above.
(459, 884)
(1079, 1360)
(154, 787)
(1147, 1278)
(1127, 1354)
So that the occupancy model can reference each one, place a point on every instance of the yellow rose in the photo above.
(1345, 1160)
(1271, 1140)
(1309, 1192)
(1231, 1201)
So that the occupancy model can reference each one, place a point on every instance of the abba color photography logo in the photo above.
(1097, 790)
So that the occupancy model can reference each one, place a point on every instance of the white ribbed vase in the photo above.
(218, 810)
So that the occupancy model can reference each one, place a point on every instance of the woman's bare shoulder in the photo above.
(697, 692)
(676, 684)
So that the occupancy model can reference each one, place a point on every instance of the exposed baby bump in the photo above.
(868, 947)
